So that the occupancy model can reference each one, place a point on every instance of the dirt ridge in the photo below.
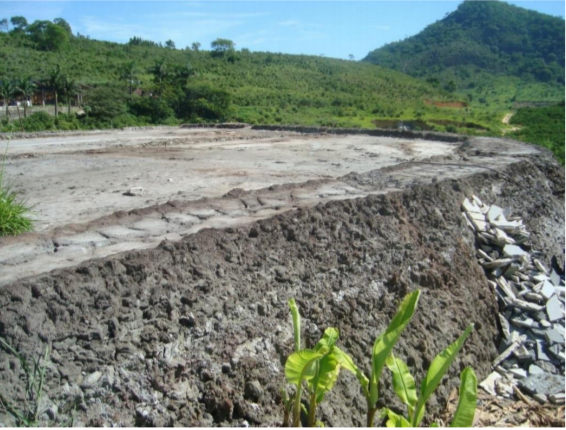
(177, 335)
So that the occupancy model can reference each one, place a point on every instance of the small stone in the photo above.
(206, 375)
(506, 353)
(557, 399)
(545, 323)
(187, 321)
(534, 297)
(503, 389)
(504, 327)
(518, 373)
(555, 350)
(544, 383)
(253, 391)
(91, 380)
(554, 309)
(541, 398)
(524, 355)
(226, 368)
(527, 306)
(135, 191)
(523, 322)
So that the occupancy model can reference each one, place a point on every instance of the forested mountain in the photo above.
(481, 39)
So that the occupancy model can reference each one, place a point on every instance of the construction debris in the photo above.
(531, 304)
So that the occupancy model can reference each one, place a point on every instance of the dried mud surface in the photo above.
(196, 332)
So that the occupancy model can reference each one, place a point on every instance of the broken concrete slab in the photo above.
(555, 278)
(541, 353)
(514, 251)
(518, 373)
(494, 212)
(506, 353)
(471, 207)
(554, 309)
(547, 290)
(535, 370)
(527, 306)
(488, 384)
(552, 336)
(543, 383)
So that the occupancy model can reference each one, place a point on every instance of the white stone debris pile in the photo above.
(531, 306)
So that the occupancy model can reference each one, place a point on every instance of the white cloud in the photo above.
(383, 27)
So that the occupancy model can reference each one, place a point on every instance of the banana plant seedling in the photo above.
(317, 368)
(405, 388)
(381, 350)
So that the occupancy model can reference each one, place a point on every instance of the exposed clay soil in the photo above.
(196, 331)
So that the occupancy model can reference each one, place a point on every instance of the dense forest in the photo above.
(480, 41)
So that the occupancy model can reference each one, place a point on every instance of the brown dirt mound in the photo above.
(197, 332)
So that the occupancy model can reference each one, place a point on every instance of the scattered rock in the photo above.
(135, 191)
(543, 384)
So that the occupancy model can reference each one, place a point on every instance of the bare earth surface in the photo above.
(76, 184)
(170, 308)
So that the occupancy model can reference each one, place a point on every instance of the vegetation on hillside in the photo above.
(480, 41)
(543, 126)
(248, 87)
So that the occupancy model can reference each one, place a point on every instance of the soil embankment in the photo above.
(196, 332)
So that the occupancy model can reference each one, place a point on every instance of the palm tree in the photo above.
(7, 91)
(26, 88)
(69, 89)
(130, 75)
(56, 80)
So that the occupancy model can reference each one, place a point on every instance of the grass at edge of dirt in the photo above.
(13, 211)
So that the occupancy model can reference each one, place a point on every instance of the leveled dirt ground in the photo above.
(195, 331)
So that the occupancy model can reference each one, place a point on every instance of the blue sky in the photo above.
(332, 28)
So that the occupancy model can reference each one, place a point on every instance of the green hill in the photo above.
(488, 49)
(263, 87)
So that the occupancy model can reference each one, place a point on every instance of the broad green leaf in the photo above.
(385, 342)
(403, 382)
(436, 371)
(348, 363)
(299, 364)
(464, 416)
(393, 419)
(327, 369)
(328, 339)
(296, 323)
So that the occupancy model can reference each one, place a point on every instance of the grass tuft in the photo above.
(13, 212)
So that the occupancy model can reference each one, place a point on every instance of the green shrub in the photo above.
(38, 121)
